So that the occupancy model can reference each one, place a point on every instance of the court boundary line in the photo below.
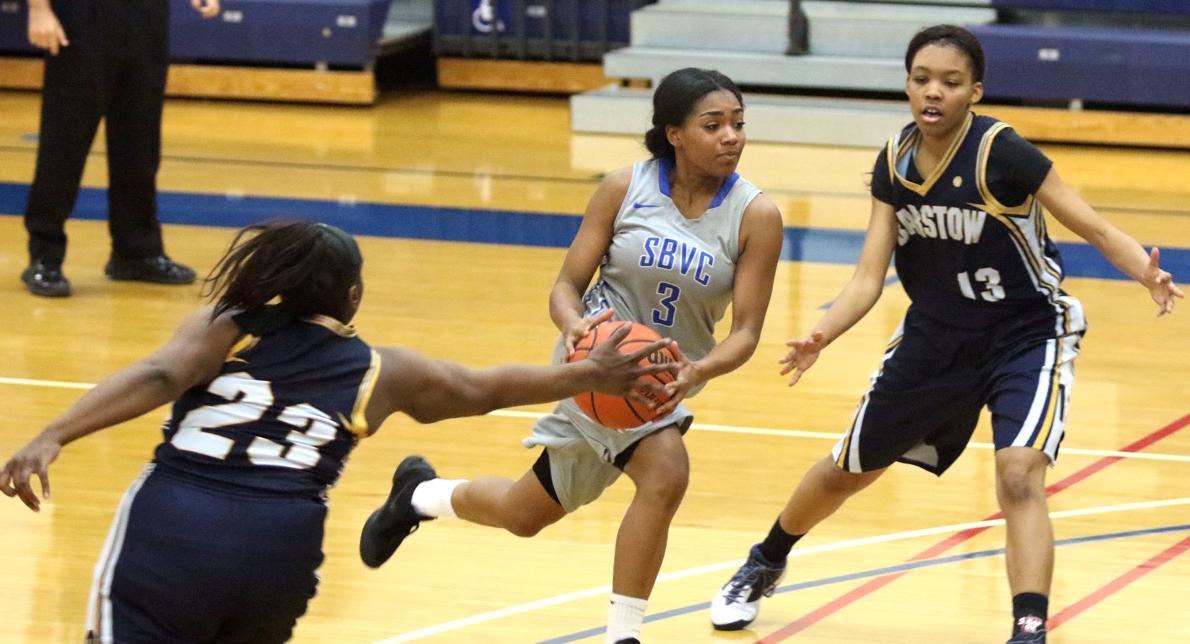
(706, 427)
(803, 433)
(1117, 584)
(489, 226)
(590, 179)
(833, 606)
(906, 566)
(845, 544)
(968, 530)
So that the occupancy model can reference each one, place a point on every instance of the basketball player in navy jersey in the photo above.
(956, 201)
(220, 537)
(675, 239)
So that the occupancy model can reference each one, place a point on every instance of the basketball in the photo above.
(621, 412)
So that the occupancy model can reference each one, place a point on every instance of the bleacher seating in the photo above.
(857, 47)
(853, 46)
(1160, 7)
(881, 30)
(298, 32)
(742, 26)
(409, 23)
(572, 30)
(346, 33)
(289, 50)
(14, 28)
(1087, 64)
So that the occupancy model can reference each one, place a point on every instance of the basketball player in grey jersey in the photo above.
(693, 259)
(675, 239)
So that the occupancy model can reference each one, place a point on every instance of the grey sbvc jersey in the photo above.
(668, 271)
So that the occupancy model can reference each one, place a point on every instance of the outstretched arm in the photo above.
(1121, 250)
(430, 390)
(193, 356)
(856, 298)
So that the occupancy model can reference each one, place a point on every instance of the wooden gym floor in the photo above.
(463, 203)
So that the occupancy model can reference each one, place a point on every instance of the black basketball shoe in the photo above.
(396, 519)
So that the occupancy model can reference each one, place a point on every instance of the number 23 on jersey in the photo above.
(247, 401)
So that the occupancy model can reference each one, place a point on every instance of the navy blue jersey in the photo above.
(972, 248)
(281, 417)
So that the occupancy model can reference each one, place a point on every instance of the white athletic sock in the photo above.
(624, 617)
(432, 498)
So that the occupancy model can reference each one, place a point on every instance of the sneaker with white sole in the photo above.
(738, 602)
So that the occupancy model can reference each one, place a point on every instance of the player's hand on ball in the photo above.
(620, 373)
(576, 332)
(802, 355)
(689, 376)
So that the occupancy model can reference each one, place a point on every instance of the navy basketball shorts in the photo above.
(185, 562)
(934, 380)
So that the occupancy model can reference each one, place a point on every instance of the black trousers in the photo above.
(114, 69)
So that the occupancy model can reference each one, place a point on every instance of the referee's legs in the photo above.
(134, 135)
(71, 105)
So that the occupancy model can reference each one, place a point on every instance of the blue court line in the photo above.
(825, 245)
(281, 165)
(875, 572)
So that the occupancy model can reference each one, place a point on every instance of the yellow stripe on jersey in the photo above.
(1043, 273)
(358, 424)
(1051, 417)
(1055, 272)
(243, 344)
(903, 148)
(891, 152)
(1036, 266)
(991, 204)
(332, 325)
(1029, 209)
(1022, 244)
(841, 462)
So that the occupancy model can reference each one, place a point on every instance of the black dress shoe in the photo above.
(45, 279)
(158, 270)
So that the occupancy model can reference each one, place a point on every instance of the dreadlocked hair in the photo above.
(291, 268)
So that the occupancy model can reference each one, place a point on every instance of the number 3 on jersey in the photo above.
(990, 278)
(248, 400)
(670, 294)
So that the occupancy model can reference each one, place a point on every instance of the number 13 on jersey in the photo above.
(989, 278)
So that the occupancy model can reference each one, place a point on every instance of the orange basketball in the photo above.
(620, 412)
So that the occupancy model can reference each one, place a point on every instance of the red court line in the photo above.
(1071, 611)
(877, 583)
